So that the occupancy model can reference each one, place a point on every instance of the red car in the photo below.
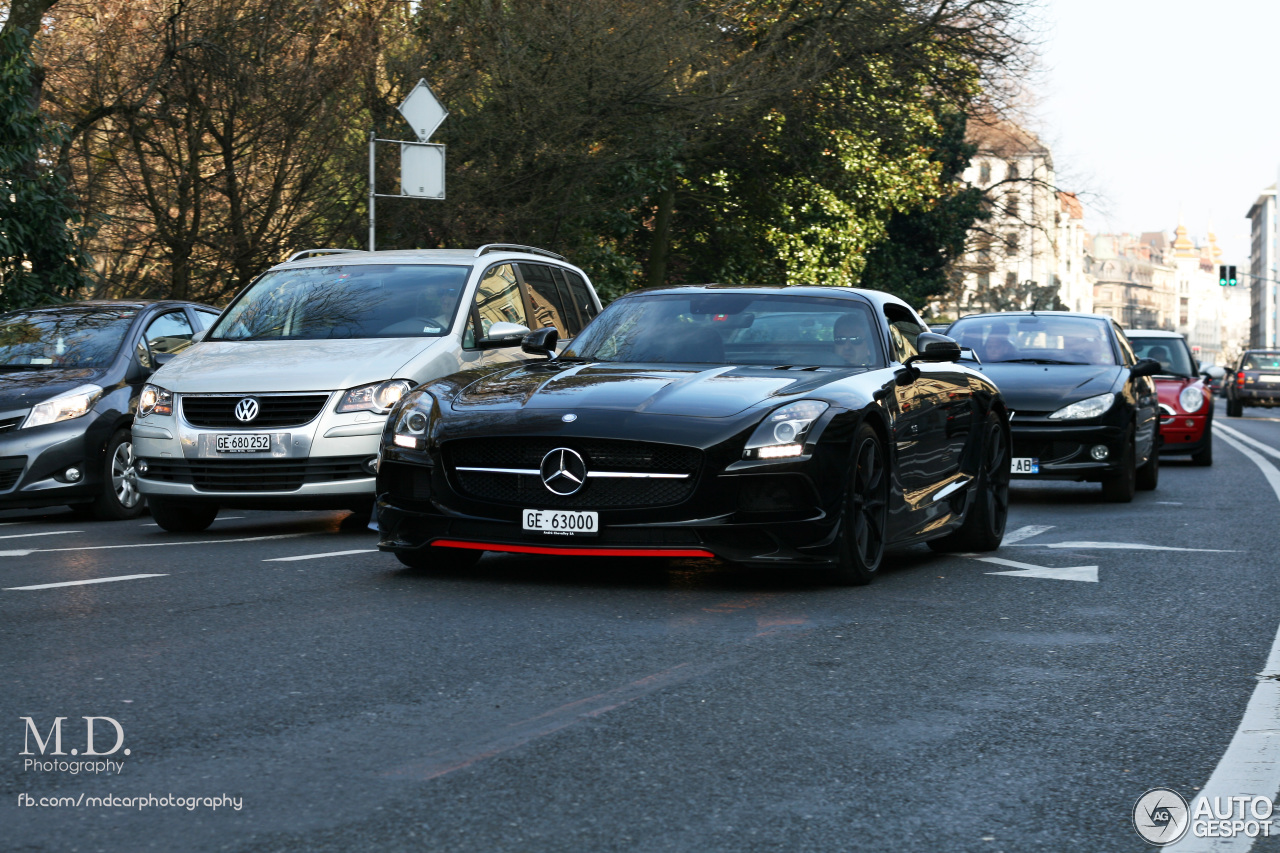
(1186, 399)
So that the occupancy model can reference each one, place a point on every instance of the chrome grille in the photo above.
(274, 410)
(256, 475)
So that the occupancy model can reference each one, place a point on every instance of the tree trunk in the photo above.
(661, 237)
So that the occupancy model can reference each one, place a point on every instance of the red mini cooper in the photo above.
(1186, 400)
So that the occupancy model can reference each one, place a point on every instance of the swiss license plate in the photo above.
(250, 442)
(561, 523)
(1269, 377)
(1025, 465)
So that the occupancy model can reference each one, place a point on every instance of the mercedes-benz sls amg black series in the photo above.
(768, 426)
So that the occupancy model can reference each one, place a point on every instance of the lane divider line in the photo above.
(1251, 764)
(45, 533)
(1025, 533)
(319, 556)
(83, 583)
(1247, 439)
(154, 544)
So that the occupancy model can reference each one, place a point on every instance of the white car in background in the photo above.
(281, 404)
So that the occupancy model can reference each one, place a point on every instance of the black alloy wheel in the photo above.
(983, 527)
(119, 498)
(862, 534)
(1120, 487)
(432, 559)
(181, 517)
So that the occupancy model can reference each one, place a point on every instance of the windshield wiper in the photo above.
(1035, 361)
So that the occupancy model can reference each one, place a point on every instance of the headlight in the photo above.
(412, 420)
(783, 432)
(1091, 407)
(378, 397)
(155, 400)
(73, 404)
(1191, 399)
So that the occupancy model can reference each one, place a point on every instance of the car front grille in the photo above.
(256, 475)
(1046, 451)
(274, 410)
(411, 483)
(526, 454)
(11, 468)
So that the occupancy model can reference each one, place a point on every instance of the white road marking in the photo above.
(1126, 546)
(83, 583)
(1236, 434)
(1027, 570)
(1026, 533)
(151, 544)
(318, 556)
(45, 533)
(219, 518)
(1251, 764)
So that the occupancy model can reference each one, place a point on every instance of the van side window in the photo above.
(498, 300)
(547, 300)
(581, 296)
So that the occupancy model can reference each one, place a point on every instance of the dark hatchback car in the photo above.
(1255, 381)
(1082, 405)
(770, 426)
(70, 376)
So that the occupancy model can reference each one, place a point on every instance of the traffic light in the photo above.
(1222, 275)
(1231, 279)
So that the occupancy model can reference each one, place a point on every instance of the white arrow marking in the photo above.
(1026, 570)
(1125, 546)
(1026, 533)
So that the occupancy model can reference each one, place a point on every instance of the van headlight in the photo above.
(155, 400)
(783, 432)
(378, 397)
(73, 404)
(1090, 407)
(1191, 399)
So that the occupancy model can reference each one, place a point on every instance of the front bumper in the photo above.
(1063, 451)
(326, 463)
(1184, 434)
(32, 462)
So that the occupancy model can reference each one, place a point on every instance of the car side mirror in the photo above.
(502, 335)
(162, 358)
(199, 336)
(1146, 367)
(935, 347)
(1215, 372)
(542, 342)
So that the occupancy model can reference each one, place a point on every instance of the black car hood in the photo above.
(1049, 387)
(23, 389)
(709, 392)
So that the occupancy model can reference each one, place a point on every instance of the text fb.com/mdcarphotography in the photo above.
(1163, 816)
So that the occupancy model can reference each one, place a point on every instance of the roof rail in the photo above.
(308, 252)
(516, 247)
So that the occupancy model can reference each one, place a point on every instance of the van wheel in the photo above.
(182, 517)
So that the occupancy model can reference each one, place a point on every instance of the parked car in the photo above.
(771, 426)
(70, 377)
(1256, 381)
(1186, 399)
(1083, 406)
(281, 406)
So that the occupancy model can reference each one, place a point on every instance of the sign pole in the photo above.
(372, 194)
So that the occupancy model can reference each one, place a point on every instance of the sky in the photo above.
(1155, 108)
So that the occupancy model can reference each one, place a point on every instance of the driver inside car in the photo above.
(853, 341)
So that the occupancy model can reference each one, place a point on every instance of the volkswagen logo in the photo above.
(563, 471)
(246, 410)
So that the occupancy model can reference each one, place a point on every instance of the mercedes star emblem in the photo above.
(563, 471)
(246, 410)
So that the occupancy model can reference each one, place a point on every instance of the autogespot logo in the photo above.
(1161, 816)
(246, 410)
(563, 471)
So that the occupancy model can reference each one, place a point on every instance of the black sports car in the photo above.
(1082, 405)
(775, 426)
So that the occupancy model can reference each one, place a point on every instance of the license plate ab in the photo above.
(253, 442)
(561, 523)
(1025, 465)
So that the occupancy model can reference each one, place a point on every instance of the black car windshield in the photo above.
(733, 328)
(34, 340)
(1261, 361)
(1172, 353)
(356, 301)
(1035, 339)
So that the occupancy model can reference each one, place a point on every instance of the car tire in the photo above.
(119, 498)
(1147, 477)
(439, 559)
(983, 527)
(1204, 456)
(182, 517)
(1120, 488)
(866, 512)
(1234, 408)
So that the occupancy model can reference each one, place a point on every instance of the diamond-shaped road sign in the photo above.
(423, 111)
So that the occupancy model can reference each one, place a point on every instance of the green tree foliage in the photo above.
(40, 261)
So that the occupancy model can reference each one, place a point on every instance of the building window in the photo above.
(984, 281)
(984, 172)
(1013, 170)
(1011, 204)
(1011, 242)
(1011, 279)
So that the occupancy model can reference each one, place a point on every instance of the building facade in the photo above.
(1264, 270)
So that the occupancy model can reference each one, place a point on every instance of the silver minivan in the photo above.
(280, 404)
